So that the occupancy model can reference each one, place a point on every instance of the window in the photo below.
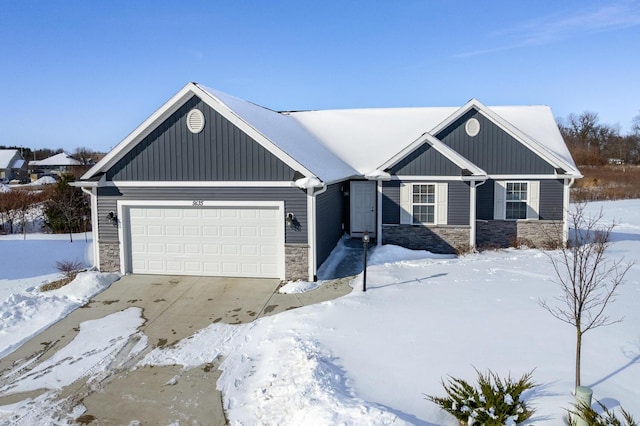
(516, 199)
(424, 203)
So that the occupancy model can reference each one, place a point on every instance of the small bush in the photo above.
(606, 418)
(69, 267)
(493, 401)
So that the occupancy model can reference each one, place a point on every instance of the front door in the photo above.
(363, 208)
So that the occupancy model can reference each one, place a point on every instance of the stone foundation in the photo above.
(109, 256)
(296, 262)
(437, 239)
(514, 233)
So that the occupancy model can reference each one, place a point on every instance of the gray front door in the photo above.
(363, 208)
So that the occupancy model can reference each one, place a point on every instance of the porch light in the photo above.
(112, 217)
(291, 222)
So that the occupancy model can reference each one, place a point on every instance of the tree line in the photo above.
(83, 154)
(593, 143)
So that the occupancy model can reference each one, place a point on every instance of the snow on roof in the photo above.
(288, 135)
(62, 159)
(7, 158)
(367, 138)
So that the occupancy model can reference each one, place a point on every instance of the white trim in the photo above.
(123, 222)
(437, 178)
(509, 128)
(379, 215)
(200, 184)
(472, 215)
(94, 225)
(439, 146)
(528, 177)
(311, 233)
(568, 183)
(172, 105)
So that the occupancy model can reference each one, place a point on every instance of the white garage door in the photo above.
(214, 241)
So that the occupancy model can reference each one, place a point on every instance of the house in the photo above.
(12, 165)
(55, 165)
(213, 185)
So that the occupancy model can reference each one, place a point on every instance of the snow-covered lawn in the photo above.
(369, 358)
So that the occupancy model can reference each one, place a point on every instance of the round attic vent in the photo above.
(472, 127)
(195, 121)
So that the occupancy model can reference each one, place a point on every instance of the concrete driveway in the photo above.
(174, 308)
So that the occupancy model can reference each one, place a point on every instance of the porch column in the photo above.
(379, 214)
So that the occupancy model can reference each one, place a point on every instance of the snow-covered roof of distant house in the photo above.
(62, 159)
(7, 158)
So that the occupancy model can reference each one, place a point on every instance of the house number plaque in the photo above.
(198, 203)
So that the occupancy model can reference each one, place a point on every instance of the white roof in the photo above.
(288, 135)
(334, 145)
(367, 138)
(61, 159)
(6, 158)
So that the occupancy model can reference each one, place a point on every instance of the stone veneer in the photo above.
(438, 239)
(109, 256)
(296, 262)
(509, 233)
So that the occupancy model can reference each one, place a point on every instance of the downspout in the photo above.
(312, 193)
(94, 226)
(565, 210)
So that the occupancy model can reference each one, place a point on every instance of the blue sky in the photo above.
(86, 73)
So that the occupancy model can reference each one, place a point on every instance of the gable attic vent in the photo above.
(195, 121)
(472, 127)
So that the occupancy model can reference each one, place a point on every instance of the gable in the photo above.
(492, 149)
(220, 152)
(425, 160)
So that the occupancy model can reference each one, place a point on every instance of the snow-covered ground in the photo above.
(369, 358)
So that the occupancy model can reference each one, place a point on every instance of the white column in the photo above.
(379, 215)
(472, 214)
(311, 232)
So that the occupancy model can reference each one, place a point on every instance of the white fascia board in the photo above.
(443, 149)
(437, 178)
(254, 133)
(529, 177)
(205, 203)
(143, 130)
(200, 184)
(171, 106)
(509, 128)
(84, 184)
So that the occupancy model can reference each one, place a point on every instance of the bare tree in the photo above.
(588, 280)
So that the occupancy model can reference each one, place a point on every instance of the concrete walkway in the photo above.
(174, 308)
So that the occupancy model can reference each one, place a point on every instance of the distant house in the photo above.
(214, 185)
(54, 165)
(12, 166)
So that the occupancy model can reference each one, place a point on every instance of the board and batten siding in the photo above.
(493, 149)
(551, 199)
(220, 152)
(457, 202)
(425, 161)
(329, 214)
(295, 201)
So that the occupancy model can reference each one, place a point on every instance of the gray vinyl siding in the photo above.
(425, 161)
(551, 199)
(295, 201)
(220, 152)
(329, 206)
(391, 203)
(484, 200)
(458, 203)
(493, 150)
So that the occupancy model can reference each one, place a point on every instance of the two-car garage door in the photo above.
(215, 241)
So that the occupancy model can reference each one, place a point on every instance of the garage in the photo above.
(198, 239)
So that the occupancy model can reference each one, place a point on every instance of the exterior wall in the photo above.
(493, 150)
(510, 233)
(391, 202)
(484, 200)
(425, 161)
(296, 262)
(295, 201)
(220, 152)
(437, 239)
(329, 225)
(551, 199)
